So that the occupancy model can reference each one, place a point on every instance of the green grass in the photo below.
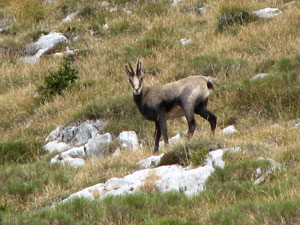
(211, 65)
(281, 212)
(121, 112)
(25, 181)
(20, 151)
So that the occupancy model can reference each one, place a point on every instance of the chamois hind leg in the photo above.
(157, 136)
(163, 127)
(189, 114)
(206, 114)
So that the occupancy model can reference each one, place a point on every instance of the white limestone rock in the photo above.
(150, 162)
(56, 146)
(175, 2)
(188, 180)
(267, 13)
(73, 162)
(44, 44)
(96, 146)
(104, 4)
(54, 134)
(128, 140)
(105, 26)
(261, 75)
(229, 130)
(297, 124)
(68, 53)
(185, 41)
(172, 140)
(70, 17)
(78, 135)
(262, 176)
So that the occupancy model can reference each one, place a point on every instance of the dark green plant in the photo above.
(198, 157)
(234, 16)
(56, 82)
(181, 153)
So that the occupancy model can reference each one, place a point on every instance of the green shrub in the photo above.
(19, 151)
(233, 16)
(183, 153)
(198, 157)
(56, 82)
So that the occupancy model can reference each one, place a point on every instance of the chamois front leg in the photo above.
(157, 136)
(163, 127)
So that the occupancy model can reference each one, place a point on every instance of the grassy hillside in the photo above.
(227, 43)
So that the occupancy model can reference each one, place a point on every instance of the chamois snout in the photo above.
(187, 97)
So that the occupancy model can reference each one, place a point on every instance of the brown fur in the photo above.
(161, 102)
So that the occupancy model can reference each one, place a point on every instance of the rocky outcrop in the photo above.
(44, 44)
(188, 180)
(76, 142)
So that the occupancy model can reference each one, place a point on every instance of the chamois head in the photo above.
(135, 78)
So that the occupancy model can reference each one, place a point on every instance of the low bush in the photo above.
(231, 16)
(183, 153)
(57, 82)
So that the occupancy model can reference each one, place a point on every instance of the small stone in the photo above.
(261, 75)
(105, 26)
(128, 140)
(56, 146)
(96, 146)
(267, 13)
(69, 18)
(229, 130)
(54, 134)
(172, 140)
(104, 4)
(185, 41)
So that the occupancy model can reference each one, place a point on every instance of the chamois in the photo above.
(182, 97)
